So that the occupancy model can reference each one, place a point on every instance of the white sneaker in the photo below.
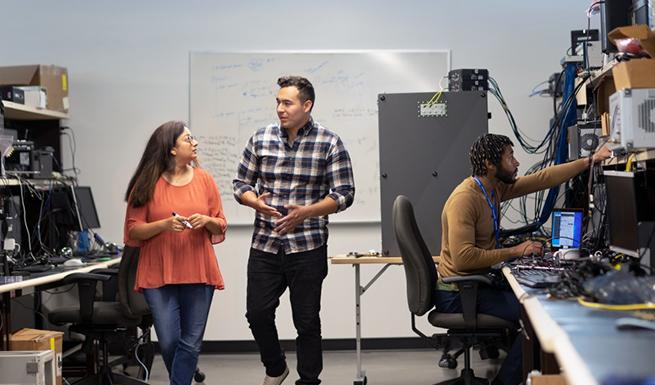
(276, 380)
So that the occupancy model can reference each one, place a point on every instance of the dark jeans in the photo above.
(268, 277)
(180, 316)
(500, 303)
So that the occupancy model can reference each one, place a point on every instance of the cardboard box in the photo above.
(642, 32)
(635, 73)
(603, 91)
(33, 339)
(52, 78)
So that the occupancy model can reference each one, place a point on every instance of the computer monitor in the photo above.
(66, 209)
(630, 201)
(613, 13)
(567, 228)
(85, 208)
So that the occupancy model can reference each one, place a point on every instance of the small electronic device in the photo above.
(468, 80)
(632, 118)
(584, 139)
(74, 262)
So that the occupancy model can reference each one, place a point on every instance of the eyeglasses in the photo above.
(190, 138)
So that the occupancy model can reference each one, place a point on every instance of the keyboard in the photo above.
(35, 268)
(537, 278)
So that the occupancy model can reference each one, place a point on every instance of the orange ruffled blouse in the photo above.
(184, 257)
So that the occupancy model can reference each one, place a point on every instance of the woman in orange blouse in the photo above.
(174, 212)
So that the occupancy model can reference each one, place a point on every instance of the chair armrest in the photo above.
(105, 271)
(109, 288)
(86, 287)
(78, 277)
(468, 293)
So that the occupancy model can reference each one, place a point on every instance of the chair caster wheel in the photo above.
(199, 376)
(360, 382)
(447, 362)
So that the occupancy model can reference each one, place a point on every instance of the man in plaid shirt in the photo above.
(294, 174)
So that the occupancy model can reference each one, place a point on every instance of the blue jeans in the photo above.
(180, 316)
(499, 303)
(268, 277)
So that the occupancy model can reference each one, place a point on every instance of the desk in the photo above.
(585, 341)
(7, 289)
(360, 377)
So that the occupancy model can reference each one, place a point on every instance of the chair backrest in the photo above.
(419, 266)
(133, 304)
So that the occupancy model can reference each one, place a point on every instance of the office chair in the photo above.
(135, 304)
(100, 321)
(467, 328)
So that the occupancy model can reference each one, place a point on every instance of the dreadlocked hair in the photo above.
(488, 147)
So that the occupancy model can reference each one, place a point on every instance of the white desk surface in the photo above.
(552, 337)
(32, 282)
(369, 259)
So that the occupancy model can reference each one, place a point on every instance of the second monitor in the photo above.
(85, 208)
(567, 228)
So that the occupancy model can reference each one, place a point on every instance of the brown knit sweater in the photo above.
(467, 230)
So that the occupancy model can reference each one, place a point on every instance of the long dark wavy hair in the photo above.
(156, 160)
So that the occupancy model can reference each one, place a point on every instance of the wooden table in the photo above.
(356, 262)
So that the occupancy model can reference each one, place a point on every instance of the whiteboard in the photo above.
(231, 95)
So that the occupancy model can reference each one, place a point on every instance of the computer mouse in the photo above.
(74, 262)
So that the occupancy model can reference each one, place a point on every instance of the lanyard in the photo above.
(494, 210)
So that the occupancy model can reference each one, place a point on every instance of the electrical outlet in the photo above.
(433, 109)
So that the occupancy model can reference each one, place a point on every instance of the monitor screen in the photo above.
(87, 215)
(567, 228)
(629, 201)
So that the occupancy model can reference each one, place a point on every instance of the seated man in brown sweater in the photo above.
(470, 226)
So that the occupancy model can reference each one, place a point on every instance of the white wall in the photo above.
(128, 68)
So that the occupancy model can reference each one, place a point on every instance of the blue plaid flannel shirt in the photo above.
(316, 165)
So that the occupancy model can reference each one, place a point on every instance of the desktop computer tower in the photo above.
(10, 224)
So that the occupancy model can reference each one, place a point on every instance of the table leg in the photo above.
(38, 315)
(360, 378)
(5, 319)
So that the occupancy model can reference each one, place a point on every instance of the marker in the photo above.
(184, 222)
